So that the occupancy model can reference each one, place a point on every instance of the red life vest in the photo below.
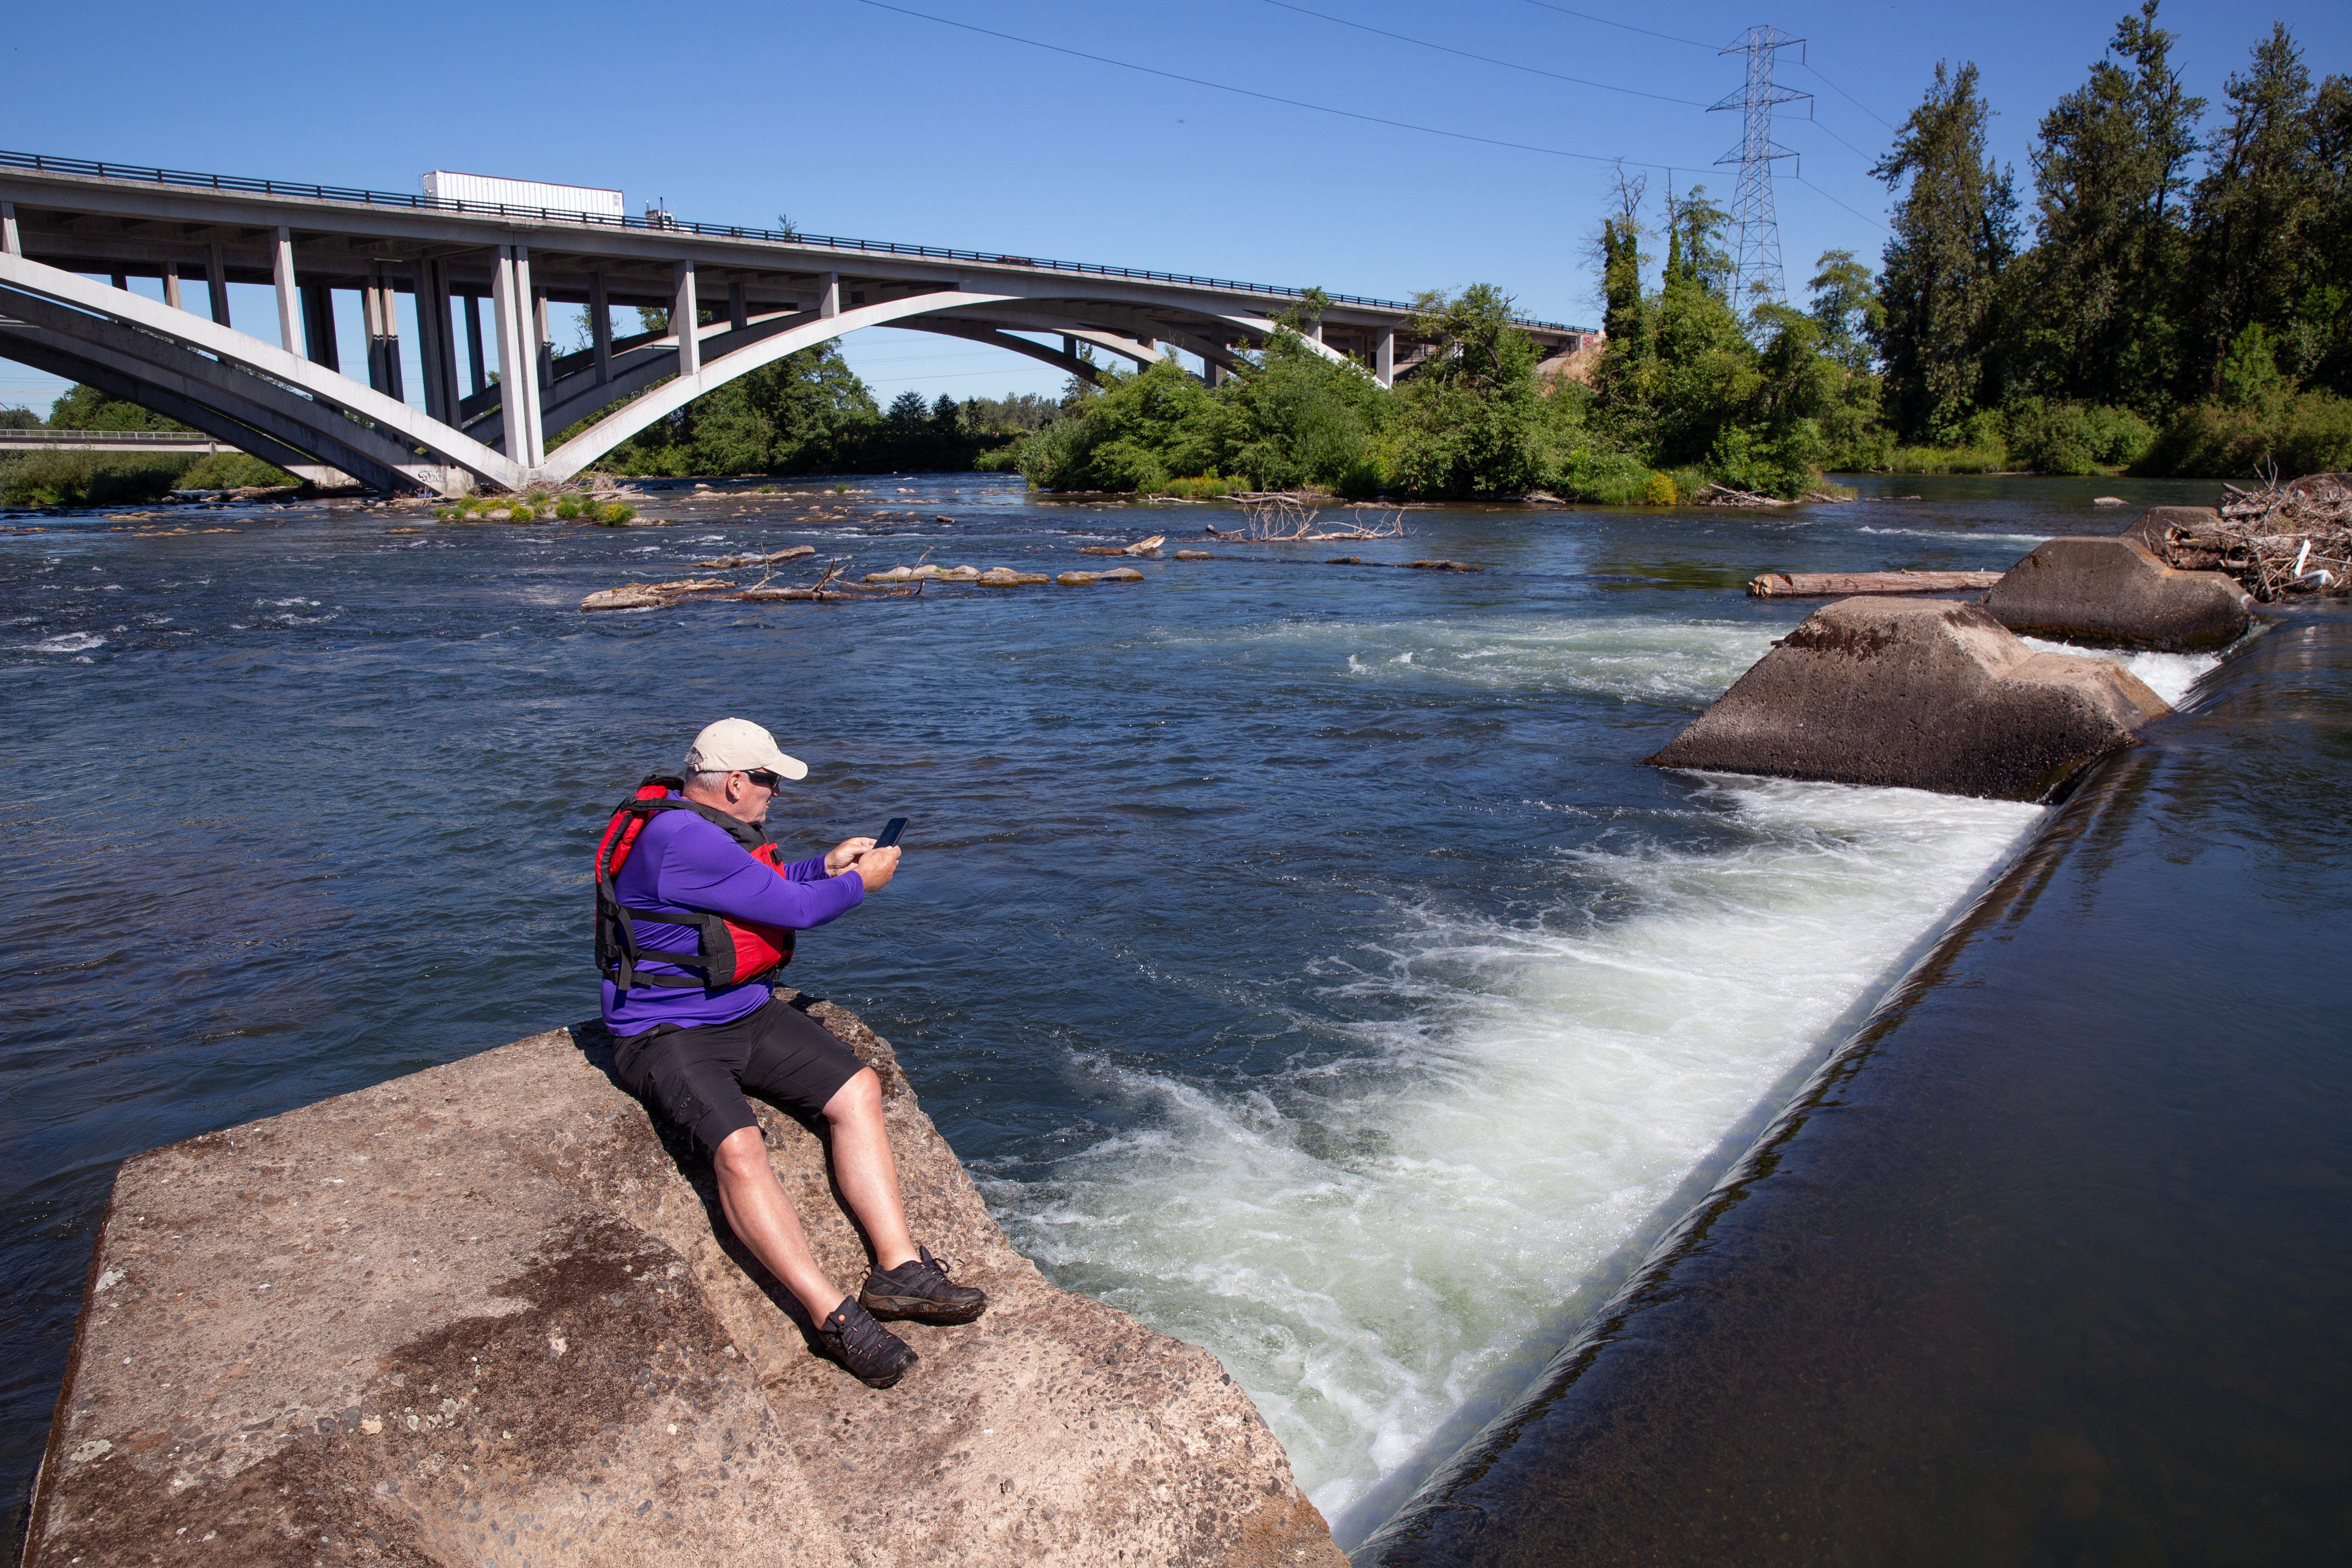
(729, 952)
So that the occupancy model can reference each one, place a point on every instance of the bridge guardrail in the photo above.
(45, 437)
(665, 224)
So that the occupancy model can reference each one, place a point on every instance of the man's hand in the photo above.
(877, 866)
(841, 856)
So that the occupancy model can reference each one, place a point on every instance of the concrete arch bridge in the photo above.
(496, 392)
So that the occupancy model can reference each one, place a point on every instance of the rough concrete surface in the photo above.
(2115, 591)
(1925, 694)
(2149, 527)
(488, 1314)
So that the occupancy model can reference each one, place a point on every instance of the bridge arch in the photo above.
(783, 335)
(283, 406)
(204, 348)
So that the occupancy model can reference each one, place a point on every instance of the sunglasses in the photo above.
(767, 781)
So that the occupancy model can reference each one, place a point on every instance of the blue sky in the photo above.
(863, 120)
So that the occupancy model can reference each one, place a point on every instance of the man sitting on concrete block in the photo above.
(695, 914)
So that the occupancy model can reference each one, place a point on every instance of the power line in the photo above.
(1847, 96)
(1275, 98)
(1840, 140)
(1827, 197)
(1485, 59)
(1611, 22)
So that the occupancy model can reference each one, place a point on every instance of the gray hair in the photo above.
(713, 779)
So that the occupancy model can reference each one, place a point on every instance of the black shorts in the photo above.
(698, 1076)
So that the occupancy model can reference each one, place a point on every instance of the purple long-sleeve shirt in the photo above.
(680, 861)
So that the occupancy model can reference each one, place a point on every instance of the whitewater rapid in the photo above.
(1385, 1248)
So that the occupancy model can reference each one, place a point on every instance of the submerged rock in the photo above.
(1006, 577)
(1921, 694)
(1116, 574)
(2115, 591)
(489, 1312)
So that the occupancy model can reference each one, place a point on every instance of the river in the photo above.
(1296, 953)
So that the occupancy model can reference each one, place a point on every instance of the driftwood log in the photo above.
(652, 595)
(1846, 584)
(1724, 495)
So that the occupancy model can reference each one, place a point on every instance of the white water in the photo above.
(1385, 1249)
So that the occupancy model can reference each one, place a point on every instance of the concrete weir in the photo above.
(488, 1313)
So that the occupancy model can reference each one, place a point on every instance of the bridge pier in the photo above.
(378, 303)
(217, 281)
(9, 244)
(317, 322)
(518, 383)
(290, 303)
(437, 353)
(171, 285)
(1384, 357)
(473, 314)
(684, 316)
(600, 328)
(543, 349)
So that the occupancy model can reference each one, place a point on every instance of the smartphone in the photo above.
(888, 836)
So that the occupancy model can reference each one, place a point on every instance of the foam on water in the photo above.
(1957, 536)
(1384, 1247)
(1632, 658)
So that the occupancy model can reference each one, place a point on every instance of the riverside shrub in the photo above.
(2301, 433)
(91, 478)
(231, 471)
(2074, 439)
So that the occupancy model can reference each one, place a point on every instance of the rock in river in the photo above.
(1922, 693)
(489, 1312)
(2114, 592)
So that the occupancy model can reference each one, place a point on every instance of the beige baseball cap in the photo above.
(737, 745)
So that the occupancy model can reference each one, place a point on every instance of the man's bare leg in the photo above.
(866, 1170)
(760, 1215)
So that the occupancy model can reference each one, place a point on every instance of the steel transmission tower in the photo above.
(1757, 261)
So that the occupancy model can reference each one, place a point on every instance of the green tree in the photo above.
(1139, 432)
(2096, 296)
(1472, 420)
(87, 408)
(1845, 307)
(19, 418)
(805, 413)
(1955, 234)
(1292, 417)
(2321, 347)
(2250, 214)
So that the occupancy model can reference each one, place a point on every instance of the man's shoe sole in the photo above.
(891, 1381)
(918, 1310)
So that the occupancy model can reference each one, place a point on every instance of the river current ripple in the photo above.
(1296, 953)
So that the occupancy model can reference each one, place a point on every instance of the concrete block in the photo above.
(1920, 693)
(2152, 527)
(2116, 592)
(489, 1313)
